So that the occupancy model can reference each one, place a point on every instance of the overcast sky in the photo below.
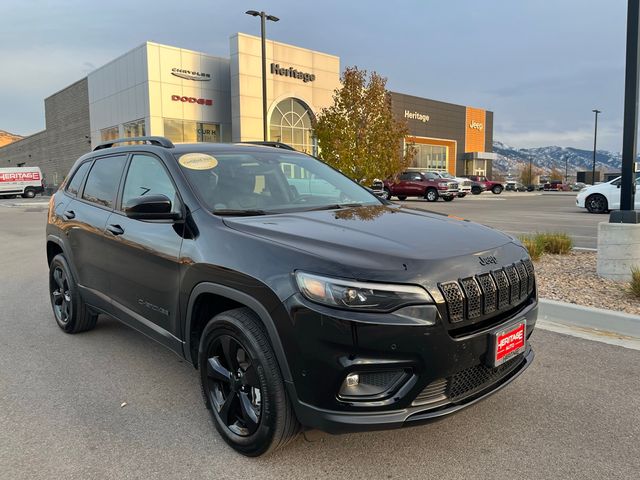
(541, 65)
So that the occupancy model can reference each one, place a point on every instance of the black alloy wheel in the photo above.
(61, 295)
(596, 203)
(242, 384)
(233, 386)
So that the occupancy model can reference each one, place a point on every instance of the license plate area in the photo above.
(507, 342)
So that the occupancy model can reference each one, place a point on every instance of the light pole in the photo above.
(530, 172)
(263, 20)
(595, 137)
(566, 169)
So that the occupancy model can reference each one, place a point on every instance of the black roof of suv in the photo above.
(289, 287)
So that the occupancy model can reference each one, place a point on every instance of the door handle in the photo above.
(69, 215)
(115, 229)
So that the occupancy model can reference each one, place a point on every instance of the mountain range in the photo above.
(6, 138)
(512, 159)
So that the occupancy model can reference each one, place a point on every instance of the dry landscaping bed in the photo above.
(572, 278)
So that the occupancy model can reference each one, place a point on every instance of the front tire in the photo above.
(402, 197)
(387, 194)
(462, 195)
(431, 195)
(242, 384)
(71, 313)
(476, 190)
(497, 189)
(596, 203)
(448, 199)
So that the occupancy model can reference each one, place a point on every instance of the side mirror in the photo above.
(150, 207)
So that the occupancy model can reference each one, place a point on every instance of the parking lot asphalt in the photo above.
(575, 414)
(522, 213)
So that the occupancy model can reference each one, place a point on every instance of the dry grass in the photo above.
(556, 243)
(634, 285)
(533, 245)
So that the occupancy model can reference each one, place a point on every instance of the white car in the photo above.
(603, 197)
(464, 184)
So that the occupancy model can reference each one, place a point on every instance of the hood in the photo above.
(373, 236)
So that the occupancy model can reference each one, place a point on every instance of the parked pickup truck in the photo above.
(494, 187)
(421, 184)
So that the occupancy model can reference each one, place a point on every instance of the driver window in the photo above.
(416, 177)
(147, 176)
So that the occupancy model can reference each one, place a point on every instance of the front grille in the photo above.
(452, 185)
(478, 377)
(465, 383)
(470, 298)
(466, 183)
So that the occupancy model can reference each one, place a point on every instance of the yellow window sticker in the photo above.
(198, 161)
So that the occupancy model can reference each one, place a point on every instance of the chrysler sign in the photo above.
(191, 75)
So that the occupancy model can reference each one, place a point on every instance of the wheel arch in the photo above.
(54, 247)
(226, 298)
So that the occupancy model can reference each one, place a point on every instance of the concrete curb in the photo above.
(588, 317)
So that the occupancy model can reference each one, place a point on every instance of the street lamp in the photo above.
(263, 20)
(530, 174)
(566, 169)
(595, 137)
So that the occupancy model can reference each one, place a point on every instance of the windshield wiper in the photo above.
(238, 212)
(335, 206)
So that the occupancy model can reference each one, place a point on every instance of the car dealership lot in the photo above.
(573, 414)
(521, 213)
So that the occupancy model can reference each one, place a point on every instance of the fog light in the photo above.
(352, 380)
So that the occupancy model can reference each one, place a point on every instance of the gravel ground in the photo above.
(572, 278)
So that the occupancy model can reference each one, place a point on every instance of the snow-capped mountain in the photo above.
(512, 159)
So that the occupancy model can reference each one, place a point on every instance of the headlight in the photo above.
(365, 296)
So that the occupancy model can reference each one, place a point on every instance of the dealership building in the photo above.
(190, 96)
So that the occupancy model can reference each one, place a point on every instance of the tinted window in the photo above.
(270, 179)
(76, 180)
(102, 182)
(404, 177)
(147, 176)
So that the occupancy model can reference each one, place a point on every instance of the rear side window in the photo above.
(102, 183)
(78, 177)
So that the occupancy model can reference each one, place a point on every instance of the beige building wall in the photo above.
(246, 83)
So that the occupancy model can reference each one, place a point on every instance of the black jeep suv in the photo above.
(290, 287)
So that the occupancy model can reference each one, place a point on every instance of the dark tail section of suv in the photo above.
(287, 285)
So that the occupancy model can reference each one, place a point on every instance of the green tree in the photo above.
(358, 134)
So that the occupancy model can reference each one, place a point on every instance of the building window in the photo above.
(110, 133)
(290, 123)
(430, 157)
(189, 131)
(134, 129)
(208, 132)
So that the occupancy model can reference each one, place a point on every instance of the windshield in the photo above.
(269, 181)
(446, 175)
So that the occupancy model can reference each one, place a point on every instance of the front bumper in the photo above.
(448, 193)
(331, 344)
(344, 422)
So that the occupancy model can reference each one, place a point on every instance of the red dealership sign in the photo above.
(199, 101)
(19, 176)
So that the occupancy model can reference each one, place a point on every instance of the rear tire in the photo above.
(71, 313)
(29, 193)
(402, 197)
(497, 189)
(596, 203)
(431, 195)
(242, 384)
(448, 199)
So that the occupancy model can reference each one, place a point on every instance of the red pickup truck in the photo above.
(421, 184)
(494, 187)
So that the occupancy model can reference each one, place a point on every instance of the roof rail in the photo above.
(158, 141)
(272, 144)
